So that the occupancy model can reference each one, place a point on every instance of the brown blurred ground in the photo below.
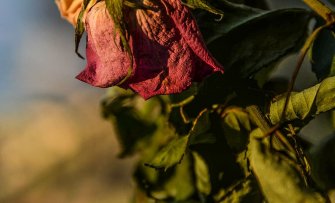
(54, 146)
(61, 151)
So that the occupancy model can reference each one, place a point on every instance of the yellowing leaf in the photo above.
(171, 154)
(180, 186)
(174, 151)
(236, 118)
(236, 124)
(317, 99)
(201, 170)
(277, 175)
(244, 191)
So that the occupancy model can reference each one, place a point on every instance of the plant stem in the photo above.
(321, 9)
(328, 15)
(301, 58)
(259, 120)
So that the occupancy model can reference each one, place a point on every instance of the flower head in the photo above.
(167, 49)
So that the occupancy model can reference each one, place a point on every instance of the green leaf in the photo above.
(174, 151)
(322, 55)
(135, 121)
(325, 99)
(317, 99)
(244, 191)
(170, 155)
(180, 185)
(202, 176)
(236, 118)
(177, 119)
(234, 16)
(221, 160)
(278, 176)
(262, 4)
(175, 184)
(215, 89)
(236, 124)
(184, 95)
(200, 133)
(260, 41)
(80, 28)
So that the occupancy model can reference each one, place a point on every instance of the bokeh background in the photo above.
(54, 146)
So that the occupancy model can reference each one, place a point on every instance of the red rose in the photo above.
(166, 45)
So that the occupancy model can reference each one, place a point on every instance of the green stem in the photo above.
(259, 120)
(301, 58)
(328, 15)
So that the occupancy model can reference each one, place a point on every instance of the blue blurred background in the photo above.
(54, 147)
(36, 53)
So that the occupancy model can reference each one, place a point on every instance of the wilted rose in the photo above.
(167, 49)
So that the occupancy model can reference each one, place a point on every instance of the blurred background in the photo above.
(54, 146)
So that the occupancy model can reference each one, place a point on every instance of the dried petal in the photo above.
(107, 64)
(167, 49)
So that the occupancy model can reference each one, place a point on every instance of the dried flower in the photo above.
(167, 49)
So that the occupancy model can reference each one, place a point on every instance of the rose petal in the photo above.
(188, 28)
(167, 47)
(107, 64)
